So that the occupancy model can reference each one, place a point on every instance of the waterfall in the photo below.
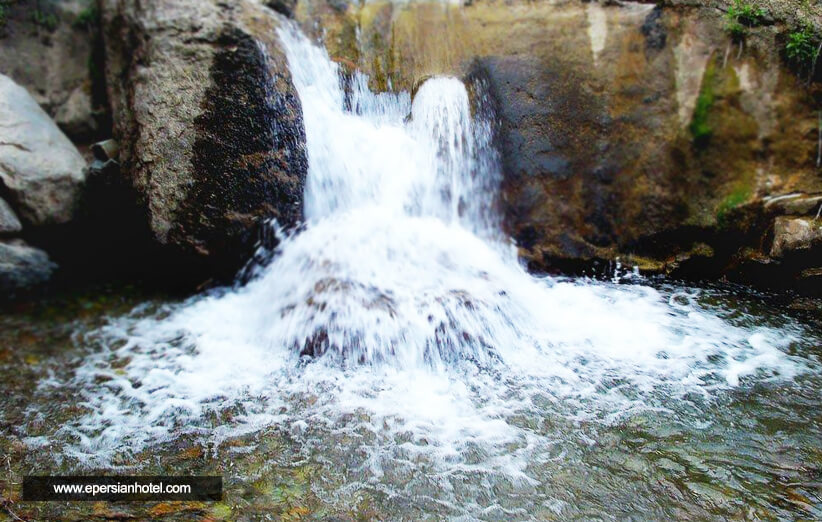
(400, 313)
(426, 159)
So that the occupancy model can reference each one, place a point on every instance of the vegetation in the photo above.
(802, 48)
(701, 130)
(741, 16)
(736, 198)
(87, 17)
(4, 11)
(45, 20)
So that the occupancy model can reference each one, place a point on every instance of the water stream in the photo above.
(401, 346)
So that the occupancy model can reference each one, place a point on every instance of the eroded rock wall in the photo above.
(631, 131)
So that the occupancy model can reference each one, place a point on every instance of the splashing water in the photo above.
(400, 313)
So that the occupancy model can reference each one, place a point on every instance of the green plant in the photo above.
(4, 11)
(87, 17)
(701, 130)
(736, 198)
(742, 15)
(802, 48)
(46, 20)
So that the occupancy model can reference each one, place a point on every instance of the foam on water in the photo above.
(399, 313)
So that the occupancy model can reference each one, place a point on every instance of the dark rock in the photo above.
(244, 152)
(654, 31)
(22, 267)
(284, 7)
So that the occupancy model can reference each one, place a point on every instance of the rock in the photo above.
(209, 124)
(9, 224)
(51, 56)
(284, 7)
(22, 266)
(39, 166)
(76, 117)
(106, 150)
(795, 234)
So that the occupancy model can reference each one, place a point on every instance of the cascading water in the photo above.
(400, 316)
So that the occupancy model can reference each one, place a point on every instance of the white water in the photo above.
(434, 337)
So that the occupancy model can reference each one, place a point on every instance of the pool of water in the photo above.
(753, 450)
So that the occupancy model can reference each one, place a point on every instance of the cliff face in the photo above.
(633, 131)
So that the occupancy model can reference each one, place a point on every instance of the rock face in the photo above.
(795, 234)
(22, 267)
(630, 131)
(208, 120)
(48, 46)
(40, 168)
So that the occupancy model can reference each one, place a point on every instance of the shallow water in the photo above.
(394, 359)
(752, 450)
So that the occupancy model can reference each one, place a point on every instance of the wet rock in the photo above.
(795, 234)
(40, 168)
(284, 7)
(208, 121)
(9, 223)
(22, 266)
(653, 30)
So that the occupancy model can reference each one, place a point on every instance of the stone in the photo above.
(51, 56)
(284, 7)
(9, 223)
(795, 234)
(75, 117)
(41, 169)
(208, 122)
(22, 267)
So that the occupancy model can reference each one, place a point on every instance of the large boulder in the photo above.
(40, 168)
(209, 123)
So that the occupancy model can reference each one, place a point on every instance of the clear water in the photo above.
(401, 347)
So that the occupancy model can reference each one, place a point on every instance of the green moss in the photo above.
(736, 198)
(701, 130)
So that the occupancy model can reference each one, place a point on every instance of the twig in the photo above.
(818, 212)
(6, 503)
